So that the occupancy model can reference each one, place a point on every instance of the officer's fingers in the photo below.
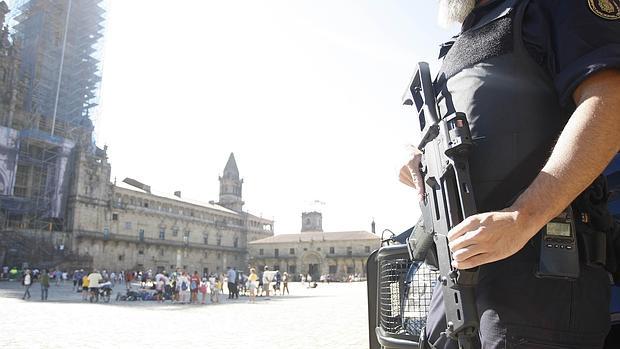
(468, 238)
(468, 224)
(464, 253)
(473, 261)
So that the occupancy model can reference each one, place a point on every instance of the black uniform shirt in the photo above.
(570, 39)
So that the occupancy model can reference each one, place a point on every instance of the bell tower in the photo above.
(311, 221)
(230, 186)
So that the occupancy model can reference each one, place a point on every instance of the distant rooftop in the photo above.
(317, 236)
(171, 196)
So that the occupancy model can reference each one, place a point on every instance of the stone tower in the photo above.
(230, 186)
(311, 221)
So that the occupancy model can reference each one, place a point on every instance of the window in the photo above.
(333, 269)
(367, 249)
(161, 252)
(205, 238)
(219, 240)
(127, 225)
(291, 251)
(350, 270)
(305, 249)
(121, 257)
(106, 233)
(114, 216)
(236, 242)
(349, 251)
(162, 233)
(140, 252)
(146, 204)
(261, 252)
(318, 249)
(332, 250)
(292, 269)
(205, 254)
(276, 252)
(175, 231)
(186, 236)
(141, 234)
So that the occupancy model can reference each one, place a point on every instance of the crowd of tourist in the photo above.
(178, 286)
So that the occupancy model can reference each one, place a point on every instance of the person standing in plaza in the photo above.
(58, 276)
(27, 282)
(252, 280)
(75, 277)
(213, 289)
(194, 283)
(202, 288)
(231, 278)
(85, 284)
(44, 280)
(183, 287)
(285, 283)
(93, 284)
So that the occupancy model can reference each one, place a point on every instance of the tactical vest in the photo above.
(515, 118)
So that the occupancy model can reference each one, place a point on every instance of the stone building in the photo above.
(129, 226)
(315, 252)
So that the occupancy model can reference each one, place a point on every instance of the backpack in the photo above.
(193, 285)
(183, 286)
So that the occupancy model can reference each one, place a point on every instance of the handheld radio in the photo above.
(559, 257)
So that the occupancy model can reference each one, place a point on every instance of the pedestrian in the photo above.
(194, 283)
(267, 279)
(203, 290)
(231, 278)
(58, 276)
(75, 277)
(252, 284)
(183, 285)
(44, 280)
(94, 279)
(85, 284)
(27, 282)
(538, 82)
(285, 283)
(159, 289)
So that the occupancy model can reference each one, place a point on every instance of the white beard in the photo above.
(454, 11)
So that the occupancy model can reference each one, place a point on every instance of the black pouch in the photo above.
(598, 233)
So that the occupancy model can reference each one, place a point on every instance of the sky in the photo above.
(306, 93)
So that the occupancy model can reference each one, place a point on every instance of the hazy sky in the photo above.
(306, 93)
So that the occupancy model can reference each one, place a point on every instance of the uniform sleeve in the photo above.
(584, 38)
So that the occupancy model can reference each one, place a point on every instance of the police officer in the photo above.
(539, 81)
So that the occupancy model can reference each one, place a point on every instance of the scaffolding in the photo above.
(56, 80)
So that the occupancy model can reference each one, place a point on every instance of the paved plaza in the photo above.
(329, 316)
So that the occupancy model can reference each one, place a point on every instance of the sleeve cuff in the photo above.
(574, 74)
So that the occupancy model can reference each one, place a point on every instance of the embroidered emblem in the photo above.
(607, 9)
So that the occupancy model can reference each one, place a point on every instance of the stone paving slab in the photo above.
(329, 316)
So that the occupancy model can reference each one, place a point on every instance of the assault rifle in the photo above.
(445, 143)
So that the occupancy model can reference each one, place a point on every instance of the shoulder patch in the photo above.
(606, 9)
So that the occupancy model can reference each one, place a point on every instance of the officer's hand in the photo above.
(410, 172)
(488, 237)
